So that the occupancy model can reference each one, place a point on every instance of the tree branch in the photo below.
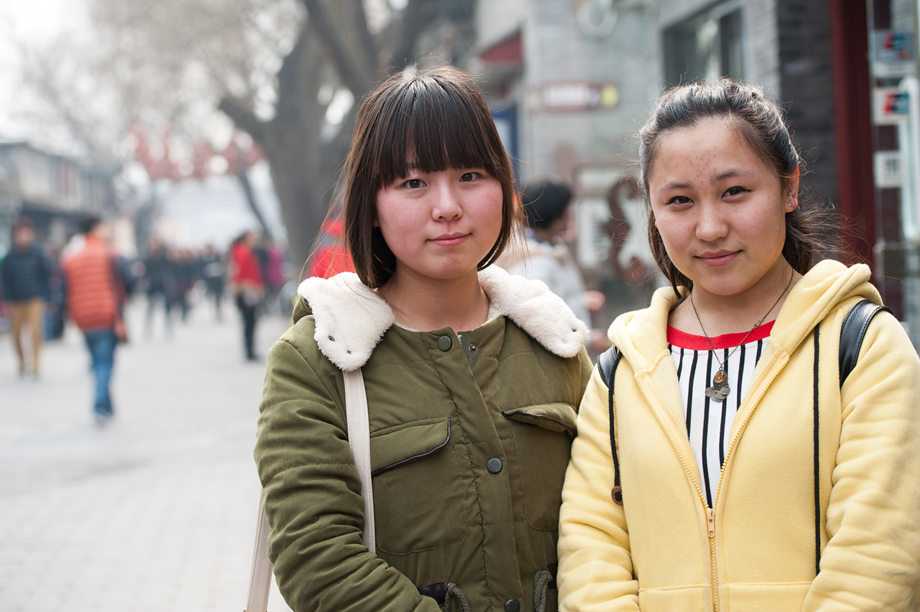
(244, 119)
(416, 16)
(320, 22)
(368, 47)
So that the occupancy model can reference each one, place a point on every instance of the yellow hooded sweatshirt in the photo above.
(755, 549)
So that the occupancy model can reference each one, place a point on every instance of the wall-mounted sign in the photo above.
(889, 169)
(596, 18)
(893, 53)
(569, 96)
(890, 105)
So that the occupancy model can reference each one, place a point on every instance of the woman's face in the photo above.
(440, 225)
(720, 209)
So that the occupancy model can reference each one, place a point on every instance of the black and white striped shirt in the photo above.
(709, 423)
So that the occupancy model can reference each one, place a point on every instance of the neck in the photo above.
(426, 304)
(739, 313)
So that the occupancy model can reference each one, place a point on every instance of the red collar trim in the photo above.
(693, 342)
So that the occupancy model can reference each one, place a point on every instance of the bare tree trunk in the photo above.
(305, 166)
(242, 176)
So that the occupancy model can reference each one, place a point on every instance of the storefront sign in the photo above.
(893, 53)
(890, 105)
(574, 96)
(889, 169)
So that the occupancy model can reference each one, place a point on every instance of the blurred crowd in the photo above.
(171, 279)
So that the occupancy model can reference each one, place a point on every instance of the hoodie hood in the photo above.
(351, 318)
(642, 338)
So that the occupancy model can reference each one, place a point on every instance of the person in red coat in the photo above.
(248, 286)
(95, 296)
(331, 255)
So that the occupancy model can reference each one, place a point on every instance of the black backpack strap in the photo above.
(852, 333)
(607, 366)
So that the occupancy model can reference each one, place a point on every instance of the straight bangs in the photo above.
(433, 127)
(436, 121)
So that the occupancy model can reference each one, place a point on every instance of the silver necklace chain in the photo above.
(720, 389)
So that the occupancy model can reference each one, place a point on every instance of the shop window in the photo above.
(705, 47)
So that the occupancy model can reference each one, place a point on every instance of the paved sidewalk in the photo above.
(155, 511)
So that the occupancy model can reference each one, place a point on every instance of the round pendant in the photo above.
(719, 389)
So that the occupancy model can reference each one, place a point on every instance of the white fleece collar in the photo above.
(351, 318)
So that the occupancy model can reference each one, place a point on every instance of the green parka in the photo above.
(470, 439)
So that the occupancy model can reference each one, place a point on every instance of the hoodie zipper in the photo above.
(710, 512)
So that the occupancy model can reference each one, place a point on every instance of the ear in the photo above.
(792, 192)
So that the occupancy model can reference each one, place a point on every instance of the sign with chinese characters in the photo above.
(889, 169)
(574, 96)
(890, 105)
(893, 53)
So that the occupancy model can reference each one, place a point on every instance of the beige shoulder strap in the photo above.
(360, 442)
(359, 438)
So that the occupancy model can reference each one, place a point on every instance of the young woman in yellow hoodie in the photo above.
(744, 474)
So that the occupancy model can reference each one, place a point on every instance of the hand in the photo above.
(597, 341)
(594, 300)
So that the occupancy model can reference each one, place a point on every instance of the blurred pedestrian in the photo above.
(185, 275)
(248, 286)
(548, 212)
(214, 273)
(56, 306)
(159, 278)
(95, 296)
(26, 275)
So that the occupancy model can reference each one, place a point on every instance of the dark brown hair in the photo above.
(438, 120)
(761, 123)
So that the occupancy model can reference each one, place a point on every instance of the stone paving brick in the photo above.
(155, 511)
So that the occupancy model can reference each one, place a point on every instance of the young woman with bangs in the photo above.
(472, 379)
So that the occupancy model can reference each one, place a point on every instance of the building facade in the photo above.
(52, 190)
(572, 81)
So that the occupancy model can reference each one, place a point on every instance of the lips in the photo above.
(449, 239)
(717, 258)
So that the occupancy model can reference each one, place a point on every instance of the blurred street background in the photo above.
(208, 136)
(154, 511)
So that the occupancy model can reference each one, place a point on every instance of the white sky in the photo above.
(29, 21)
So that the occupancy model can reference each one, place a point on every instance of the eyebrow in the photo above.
(728, 174)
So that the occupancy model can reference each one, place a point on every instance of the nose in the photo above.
(711, 223)
(446, 204)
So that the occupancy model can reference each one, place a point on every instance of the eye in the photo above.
(413, 183)
(471, 176)
(678, 200)
(735, 191)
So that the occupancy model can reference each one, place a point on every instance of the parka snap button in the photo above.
(512, 605)
(494, 465)
(444, 343)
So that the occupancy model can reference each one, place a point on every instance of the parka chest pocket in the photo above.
(419, 499)
(543, 436)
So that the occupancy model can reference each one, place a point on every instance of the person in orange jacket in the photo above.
(95, 296)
